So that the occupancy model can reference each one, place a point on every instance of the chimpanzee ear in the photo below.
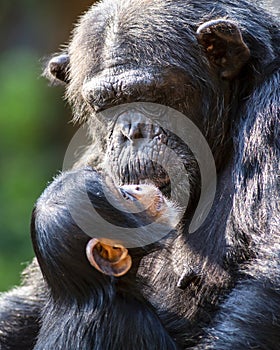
(108, 258)
(224, 46)
(57, 69)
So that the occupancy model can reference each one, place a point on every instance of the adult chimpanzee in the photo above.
(218, 64)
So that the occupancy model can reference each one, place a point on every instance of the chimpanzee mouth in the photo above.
(164, 185)
(142, 150)
(151, 174)
(146, 162)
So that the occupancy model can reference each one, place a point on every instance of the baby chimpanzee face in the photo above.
(113, 259)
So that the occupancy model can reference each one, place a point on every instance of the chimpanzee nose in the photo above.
(134, 125)
(136, 130)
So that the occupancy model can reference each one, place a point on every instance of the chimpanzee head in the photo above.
(61, 245)
(161, 52)
(119, 53)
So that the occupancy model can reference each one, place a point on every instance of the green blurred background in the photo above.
(35, 123)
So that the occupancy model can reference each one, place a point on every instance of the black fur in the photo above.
(94, 310)
(217, 288)
(20, 311)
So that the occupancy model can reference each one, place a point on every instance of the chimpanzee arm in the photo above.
(248, 319)
(20, 311)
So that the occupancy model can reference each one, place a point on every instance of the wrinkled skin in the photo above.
(215, 62)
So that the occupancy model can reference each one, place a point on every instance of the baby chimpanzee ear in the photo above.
(108, 258)
(224, 46)
(57, 69)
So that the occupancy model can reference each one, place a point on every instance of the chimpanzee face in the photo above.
(120, 54)
(124, 60)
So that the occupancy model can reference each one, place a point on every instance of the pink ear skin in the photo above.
(108, 258)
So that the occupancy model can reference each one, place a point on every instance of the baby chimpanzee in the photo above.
(90, 306)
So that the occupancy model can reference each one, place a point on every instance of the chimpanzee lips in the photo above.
(148, 172)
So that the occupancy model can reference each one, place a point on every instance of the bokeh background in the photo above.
(35, 123)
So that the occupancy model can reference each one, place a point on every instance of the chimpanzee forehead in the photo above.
(136, 33)
(138, 21)
(144, 15)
